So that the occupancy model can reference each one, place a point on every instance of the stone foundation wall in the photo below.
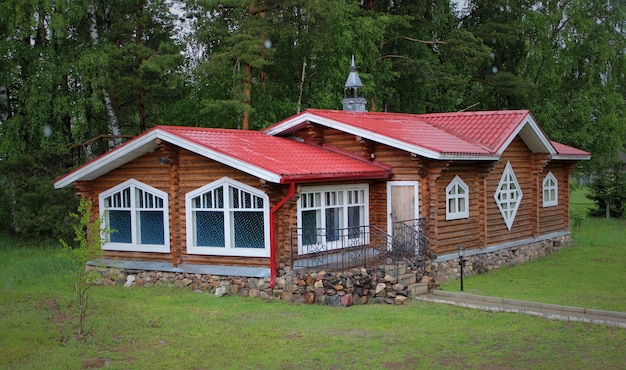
(481, 263)
(346, 288)
(341, 288)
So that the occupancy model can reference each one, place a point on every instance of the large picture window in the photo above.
(135, 216)
(227, 217)
(508, 196)
(550, 191)
(457, 199)
(332, 216)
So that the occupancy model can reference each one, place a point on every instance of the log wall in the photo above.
(518, 155)
(186, 171)
(484, 226)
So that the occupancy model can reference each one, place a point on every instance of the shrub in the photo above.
(608, 191)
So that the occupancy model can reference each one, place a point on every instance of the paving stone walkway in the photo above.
(549, 311)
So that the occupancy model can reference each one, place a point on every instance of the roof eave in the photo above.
(303, 178)
(289, 124)
(571, 157)
(469, 157)
(110, 160)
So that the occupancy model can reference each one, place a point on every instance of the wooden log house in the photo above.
(227, 202)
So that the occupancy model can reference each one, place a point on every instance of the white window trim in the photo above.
(322, 189)
(456, 183)
(545, 186)
(134, 246)
(229, 249)
(508, 209)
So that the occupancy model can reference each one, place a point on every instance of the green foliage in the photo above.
(77, 70)
(88, 236)
(31, 206)
(608, 190)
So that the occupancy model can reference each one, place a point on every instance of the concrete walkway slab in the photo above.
(549, 311)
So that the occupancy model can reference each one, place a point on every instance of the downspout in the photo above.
(273, 241)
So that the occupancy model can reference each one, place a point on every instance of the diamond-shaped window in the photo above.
(508, 196)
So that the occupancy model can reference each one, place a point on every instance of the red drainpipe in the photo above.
(273, 242)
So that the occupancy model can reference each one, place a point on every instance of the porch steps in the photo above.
(406, 279)
(416, 289)
(413, 286)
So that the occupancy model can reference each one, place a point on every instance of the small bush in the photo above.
(608, 189)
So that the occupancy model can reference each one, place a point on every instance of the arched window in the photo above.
(508, 195)
(228, 218)
(550, 191)
(135, 215)
(457, 199)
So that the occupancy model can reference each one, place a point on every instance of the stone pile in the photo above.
(344, 288)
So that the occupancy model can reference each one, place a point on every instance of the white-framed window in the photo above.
(333, 216)
(457, 199)
(228, 218)
(136, 217)
(550, 191)
(508, 195)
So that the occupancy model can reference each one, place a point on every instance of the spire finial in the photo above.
(353, 98)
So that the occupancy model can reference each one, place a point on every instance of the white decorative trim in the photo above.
(508, 195)
(457, 195)
(526, 130)
(550, 191)
(229, 241)
(135, 244)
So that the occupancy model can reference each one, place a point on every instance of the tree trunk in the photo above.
(113, 125)
(140, 94)
(247, 97)
(302, 77)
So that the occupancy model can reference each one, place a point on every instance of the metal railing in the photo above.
(411, 235)
(363, 246)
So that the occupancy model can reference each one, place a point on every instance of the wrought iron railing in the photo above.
(364, 246)
(411, 235)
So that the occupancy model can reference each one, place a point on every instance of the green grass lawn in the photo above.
(590, 274)
(165, 328)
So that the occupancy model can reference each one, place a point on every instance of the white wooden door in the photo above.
(402, 202)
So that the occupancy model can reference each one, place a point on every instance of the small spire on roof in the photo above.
(353, 97)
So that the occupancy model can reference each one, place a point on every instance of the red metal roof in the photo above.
(270, 156)
(412, 129)
(275, 159)
(457, 135)
(490, 129)
(290, 159)
(568, 152)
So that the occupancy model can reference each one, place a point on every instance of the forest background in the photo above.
(79, 77)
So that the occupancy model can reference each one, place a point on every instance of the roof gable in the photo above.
(459, 135)
(274, 159)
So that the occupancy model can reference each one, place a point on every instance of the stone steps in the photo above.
(408, 279)
(416, 289)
